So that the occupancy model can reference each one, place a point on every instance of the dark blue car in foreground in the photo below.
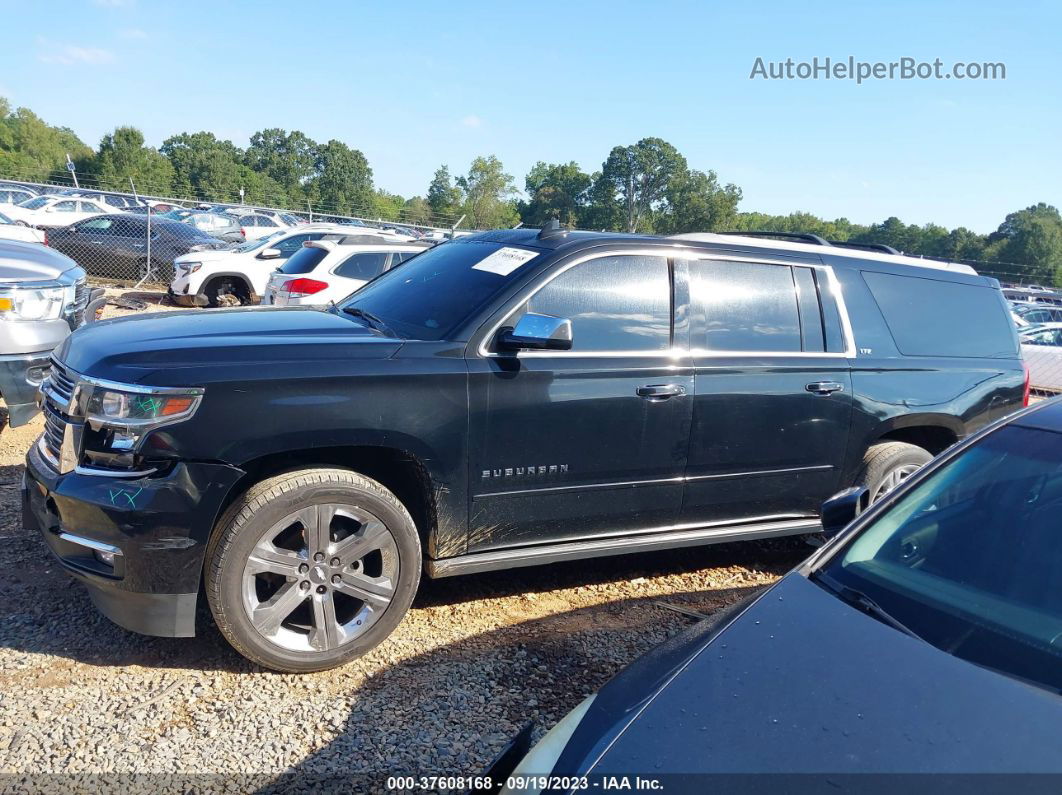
(925, 637)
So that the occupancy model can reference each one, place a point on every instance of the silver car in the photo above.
(1041, 348)
(43, 297)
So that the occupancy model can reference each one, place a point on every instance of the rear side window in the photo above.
(747, 306)
(929, 317)
(620, 303)
(364, 266)
(304, 260)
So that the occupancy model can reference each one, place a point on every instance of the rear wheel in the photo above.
(888, 464)
(311, 569)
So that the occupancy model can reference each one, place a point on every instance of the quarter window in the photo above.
(620, 303)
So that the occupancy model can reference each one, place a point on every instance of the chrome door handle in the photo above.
(657, 392)
(824, 387)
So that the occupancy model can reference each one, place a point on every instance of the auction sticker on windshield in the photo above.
(505, 260)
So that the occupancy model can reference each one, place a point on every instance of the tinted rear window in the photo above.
(304, 260)
(929, 317)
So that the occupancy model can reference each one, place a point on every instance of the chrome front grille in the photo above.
(77, 310)
(61, 382)
(54, 432)
(59, 442)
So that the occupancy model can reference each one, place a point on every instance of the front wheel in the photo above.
(310, 569)
(888, 464)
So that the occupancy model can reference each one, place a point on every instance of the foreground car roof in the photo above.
(804, 683)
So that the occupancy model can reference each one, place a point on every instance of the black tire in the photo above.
(269, 504)
(219, 287)
(887, 464)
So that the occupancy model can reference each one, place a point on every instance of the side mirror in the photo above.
(269, 253)
(538, 332)
(844, 506)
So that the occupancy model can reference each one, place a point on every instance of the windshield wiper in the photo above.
(372, 320)
(858, 599)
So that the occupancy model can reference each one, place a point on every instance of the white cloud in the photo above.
(133, 33)
(68, 54)
(472, 121)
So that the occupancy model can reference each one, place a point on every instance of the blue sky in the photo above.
(415, 85)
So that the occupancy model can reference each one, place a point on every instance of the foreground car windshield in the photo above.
(433, 293)
(971, 560)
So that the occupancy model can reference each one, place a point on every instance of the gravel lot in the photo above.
(476, 658)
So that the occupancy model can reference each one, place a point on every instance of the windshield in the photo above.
(261, 242)
(35, 203)
(971, 559)
(433, 293)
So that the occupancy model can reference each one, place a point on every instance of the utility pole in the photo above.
(72, 169)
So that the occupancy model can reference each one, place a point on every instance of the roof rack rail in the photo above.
(803, 237)
(865, 246)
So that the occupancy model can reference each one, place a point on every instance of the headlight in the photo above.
(117, 420)
(32, 303)
(140, 409)
(541, 759)
(190, 267)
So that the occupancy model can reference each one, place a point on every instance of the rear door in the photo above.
(773, 400)
(590, 441)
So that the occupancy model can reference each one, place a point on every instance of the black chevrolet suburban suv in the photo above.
(506, 399)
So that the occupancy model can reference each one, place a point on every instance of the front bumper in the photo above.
(20, 375)
(158, 525)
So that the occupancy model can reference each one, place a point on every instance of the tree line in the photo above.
(645, 187)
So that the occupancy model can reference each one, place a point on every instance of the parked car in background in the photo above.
(9, 230)
(240, 275)
(55, 211)
(117, 201)
(1028, 314)
(223, 227)
(513, 398)
(257, 225)
(116, 246)
(329, 270)
(15, 195)
(43, 297)
(1041, 347)
(934, 618)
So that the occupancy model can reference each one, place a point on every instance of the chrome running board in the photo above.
(600, 547)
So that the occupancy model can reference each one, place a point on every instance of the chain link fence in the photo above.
(132, 239)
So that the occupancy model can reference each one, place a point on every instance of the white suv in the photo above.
(239, 275)
(330, 270)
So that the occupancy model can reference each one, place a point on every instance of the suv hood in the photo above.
(199, 346)
(801, 682)
(32, 262)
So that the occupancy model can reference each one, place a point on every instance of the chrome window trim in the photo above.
(681, 252)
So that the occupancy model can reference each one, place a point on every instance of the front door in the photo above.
(587, 442)
(773, 391)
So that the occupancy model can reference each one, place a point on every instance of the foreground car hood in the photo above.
(155, 347)
(803, 683)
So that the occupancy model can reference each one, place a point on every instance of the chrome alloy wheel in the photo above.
(320, 577)
(892, 480)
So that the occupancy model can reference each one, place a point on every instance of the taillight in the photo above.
(297, 288)
(45, 241)
(1026, 385)
(243, 232)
